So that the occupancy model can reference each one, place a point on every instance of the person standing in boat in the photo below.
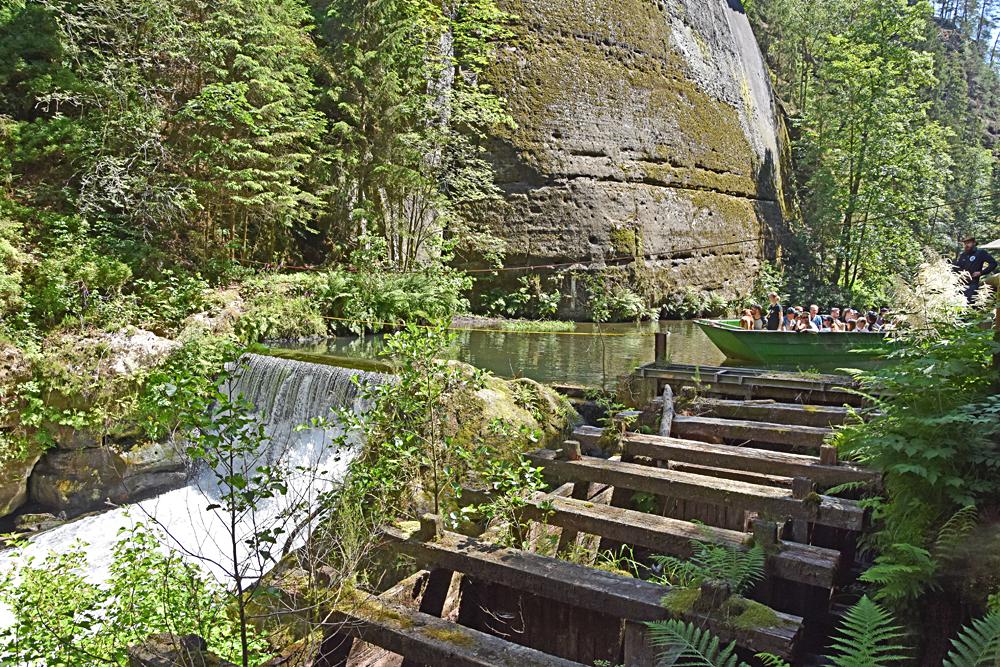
(977, 263)
(774, 313)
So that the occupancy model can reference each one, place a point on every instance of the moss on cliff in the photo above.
(606, 55)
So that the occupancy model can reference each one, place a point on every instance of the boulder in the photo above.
(643, 129)
(81, 480)
(14, 474)
(96, 372)
(169, 650)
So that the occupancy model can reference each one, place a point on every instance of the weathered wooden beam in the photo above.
(729, 473)
(429, 640)
(578, 585)
(801, 563)
(755, 383)
(805, 437)
(736, 458)
(772, 411)
(767, 501)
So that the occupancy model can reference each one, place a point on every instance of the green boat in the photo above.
(793, 349)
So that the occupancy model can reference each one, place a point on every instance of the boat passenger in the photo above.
(815, 316)
(791, 320)
(977, 263)
(835, 314)
(827, 324)
(758, 317)
(861, 325)
(774, 314)
(805, 324)
(746, 321)
(872, 319)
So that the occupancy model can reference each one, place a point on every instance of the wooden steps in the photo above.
(769, 502)
(581, 586)
(799, 437)
(800, 563)
(760, 461)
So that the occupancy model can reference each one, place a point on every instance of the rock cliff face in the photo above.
(644, 129)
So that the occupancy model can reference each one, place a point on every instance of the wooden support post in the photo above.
(765, 535)
(801, 488)
(571, 450)
(638, 651)
(828, 455)
(430, 527)
(667, 420)
(432, 601)
(660, 346)
(713, 593)
(334, 651)
(567, 538)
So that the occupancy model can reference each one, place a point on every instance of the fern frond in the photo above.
(954, 531)
(771, 660)
(867, 637)
(687, 645)
(679, 572)
(978, 645)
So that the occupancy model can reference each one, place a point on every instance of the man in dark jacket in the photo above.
(977, 263)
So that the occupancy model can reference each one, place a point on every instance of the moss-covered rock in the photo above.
(641, 127)
(522, 413)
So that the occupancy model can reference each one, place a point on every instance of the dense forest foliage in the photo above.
(149, 143)
(894, 110)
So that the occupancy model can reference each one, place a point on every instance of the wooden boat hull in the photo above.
(780, 347)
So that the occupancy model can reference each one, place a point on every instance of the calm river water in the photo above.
(549, 357)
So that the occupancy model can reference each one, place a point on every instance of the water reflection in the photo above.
(553, 357)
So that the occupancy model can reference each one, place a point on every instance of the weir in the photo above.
(726, 487)
(287, 394)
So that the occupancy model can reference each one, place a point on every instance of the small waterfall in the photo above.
(287, 395)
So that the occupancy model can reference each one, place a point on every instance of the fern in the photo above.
(687, 645)
(953, 533)
(741, 569)
(978, 645)
(867, 637)
(771, 660)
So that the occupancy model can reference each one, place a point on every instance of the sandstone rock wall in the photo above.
(643, 128)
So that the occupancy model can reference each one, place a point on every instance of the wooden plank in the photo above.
(578, 585)
(673, 537)
(729, 473)
(737, 458)
(767, 501)
(429, 640)
(805, 437)
(772, 411)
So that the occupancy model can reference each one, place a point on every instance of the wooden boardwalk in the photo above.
(735, 472)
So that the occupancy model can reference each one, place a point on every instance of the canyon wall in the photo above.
(644, 130)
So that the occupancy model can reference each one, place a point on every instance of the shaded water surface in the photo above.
(585, 357)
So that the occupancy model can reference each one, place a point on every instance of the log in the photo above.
(806, 437)
(736, 458)
(800, 563)
(767, 501)
(579, 586)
